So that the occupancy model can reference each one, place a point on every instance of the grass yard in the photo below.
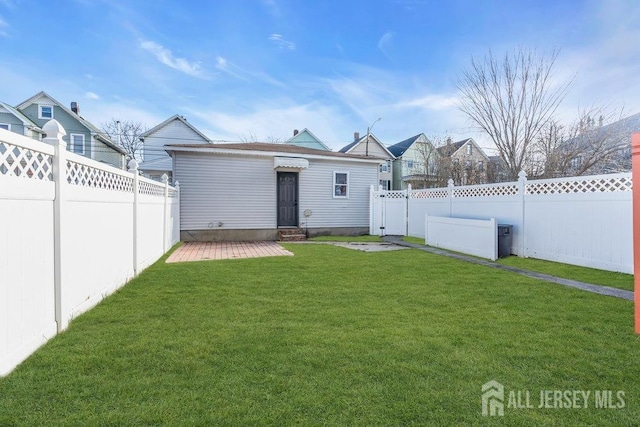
(365, 238)
(329, 336)
(566, 271)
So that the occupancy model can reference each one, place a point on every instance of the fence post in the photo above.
(165, 215)
(133, 168)
(176, 219)
(635, 178)
(406, 216)
(371, 209)
(55, 132)
(522, 187)
(450, 193)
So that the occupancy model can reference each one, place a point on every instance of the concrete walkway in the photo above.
(201, 251)
(589, 287)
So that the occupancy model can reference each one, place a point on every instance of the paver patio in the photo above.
(201, 251)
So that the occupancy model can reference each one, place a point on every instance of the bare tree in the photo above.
(126, 133)
(511, 99)
(597, 142)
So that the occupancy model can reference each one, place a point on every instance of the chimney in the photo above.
(75, 107)
(295, 132)
(449, 141)
(356, 136)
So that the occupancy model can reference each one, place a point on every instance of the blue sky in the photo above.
(245, 69)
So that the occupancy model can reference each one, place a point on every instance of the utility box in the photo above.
(505, 231)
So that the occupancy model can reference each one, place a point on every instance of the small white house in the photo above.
(250, 191)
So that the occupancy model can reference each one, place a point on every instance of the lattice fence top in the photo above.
(436, 193)
(151, 189)
(486, 190)
(87, 176)
(611, 184)
(25, 163)
(399, 194)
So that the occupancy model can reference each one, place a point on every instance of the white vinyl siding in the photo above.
(327, 211)
(237, 191)
(174, 132)
(240, 192)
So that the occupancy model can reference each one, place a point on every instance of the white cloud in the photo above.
(279, 40)
(3, 27)
(226, 66)
(166, 57)
(430, 102)
(92, 95)
(384, 44)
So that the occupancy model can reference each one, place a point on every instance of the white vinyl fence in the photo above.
(585, 220)
(73, 231)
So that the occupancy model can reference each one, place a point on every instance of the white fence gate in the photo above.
(388, 213)
(73, 231)
(584, 220)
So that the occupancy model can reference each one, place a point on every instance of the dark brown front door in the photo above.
(287, 199)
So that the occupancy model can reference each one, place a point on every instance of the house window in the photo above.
(410, 164)
(77, 143)
(469, 149)
(467, 164)
(341, 184)
(385, 184)
(45, 112)
(5, 126)
(481, 166)
(385, 167)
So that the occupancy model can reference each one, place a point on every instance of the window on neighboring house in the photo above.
(467, 164)
(469, 148)
(45, 111)
(409, 164)
(481, 166)
(456, 161)
(5, 126)
(385, 167)
(341, 184)
(77, 143)
(385, 184)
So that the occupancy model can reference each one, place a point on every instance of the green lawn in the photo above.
(566, 271)
(365, 238)
(329, 336)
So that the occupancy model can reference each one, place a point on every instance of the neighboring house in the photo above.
(373, 148)
(307, 140)
(82, 136)
(13, 120)
(251, 191)
(464, 162)
(416, 162)
(598, 148)
(175, 130)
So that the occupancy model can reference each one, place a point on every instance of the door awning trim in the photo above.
(290, 162)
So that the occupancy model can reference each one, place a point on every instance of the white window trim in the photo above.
(333, 189)
(8, 125)
(72, 145)
(40, 111)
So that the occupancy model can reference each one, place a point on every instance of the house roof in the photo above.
(99, 133)
(448, 149)
(268, 149)
(348, 148)
(18, 114)
(171, 119)
(399, 149)
(308, 132)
